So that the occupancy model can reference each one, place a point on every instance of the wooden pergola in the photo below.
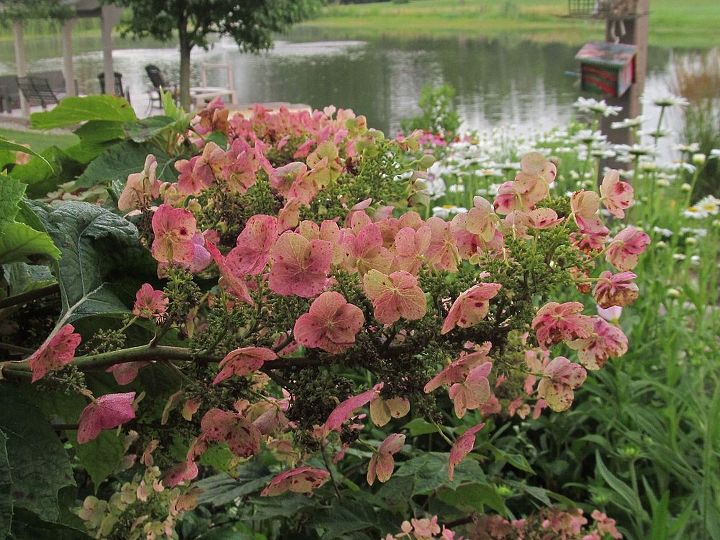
(109, 16)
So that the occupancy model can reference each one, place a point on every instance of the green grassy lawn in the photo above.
(673, 23)
(39, 140)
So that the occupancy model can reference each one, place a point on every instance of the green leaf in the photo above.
(221, 489)
(88, 237)
(629, 497)
(73, 110)
(11, 193)
(100, 457)
(27, 526)
(474, 498)
(419, 426)
(234, 531)
(147, 128)
(18, 242)
(122, 159)
(100, 131)
(516, 460)
(6, 495)
(11, 146)
(21, 277)
(44, 173)
(282, 506)
(40, 465)
(218, 137)
(343, 518)
(430, 472)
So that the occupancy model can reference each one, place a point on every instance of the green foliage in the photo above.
(100, 457)
(73, 110)
(86, 235)
(40, 465)
(122, 159)
(19, 241)
(438, 112)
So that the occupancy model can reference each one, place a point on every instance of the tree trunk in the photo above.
(185, 48)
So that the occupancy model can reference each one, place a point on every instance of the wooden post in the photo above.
(107, 18)
(636, 33)
(68, 71)
(20, 63)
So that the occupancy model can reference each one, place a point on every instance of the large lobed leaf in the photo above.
(39, 464)
(124, 158)
(90, 239)
(73, 110)
(19, 241)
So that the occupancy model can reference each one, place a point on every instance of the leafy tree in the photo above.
(13, 10)
(251, 23)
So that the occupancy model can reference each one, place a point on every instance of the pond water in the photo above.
(529, 85)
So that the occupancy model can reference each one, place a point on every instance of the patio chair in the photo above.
(37, 91)
(119, 90)
(159, 85)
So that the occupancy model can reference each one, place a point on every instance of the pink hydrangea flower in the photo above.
(150, 303)
(299, 266)
(523, 193)
(298, 480)
(331, 324)
(458, 370)
(482, 219)
(560, 378)
(382, 462)
(626, 247)
(345, 410)
(584, 204)
(382, 410)
(470, 307)
(617, 196)
(395, 296)
(606, 341)
(543, 218)
(410, 248)
(442, 253)
(535, 163)
(241, 436)
(462, 447)
(141, 188)
(174, 229)
(56, 352)
(556, 322)
(242, 362)
(201, 256)
(605, 525)
(283, 178)
(473, 391)
(195, 175)
(126, 372)
(367, 250)
(106, 412)
(611, 314)
(180, 473)
(232, 280)
(254, 243)
(242, 165)
(616, 289)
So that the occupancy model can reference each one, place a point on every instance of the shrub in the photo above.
(283, 285)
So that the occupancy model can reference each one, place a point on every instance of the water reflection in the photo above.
(497, 81)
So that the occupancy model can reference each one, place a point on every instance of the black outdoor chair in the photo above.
(119, 90)
(159, 85)
(37, 91)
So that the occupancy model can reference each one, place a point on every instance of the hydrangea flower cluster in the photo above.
(307, 282)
